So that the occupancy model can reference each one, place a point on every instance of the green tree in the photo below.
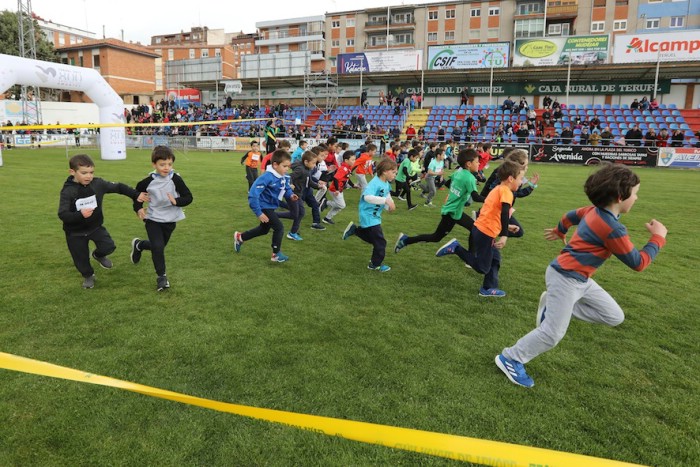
(9, 38)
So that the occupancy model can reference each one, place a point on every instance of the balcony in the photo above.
(379, 25)
(283, 37)
(563, 11)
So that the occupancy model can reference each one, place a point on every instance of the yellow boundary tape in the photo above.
(478, 451)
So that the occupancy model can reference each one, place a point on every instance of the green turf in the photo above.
(323, 335)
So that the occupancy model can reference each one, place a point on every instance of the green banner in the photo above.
(531, 89)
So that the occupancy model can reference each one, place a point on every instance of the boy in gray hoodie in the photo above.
(168, 194)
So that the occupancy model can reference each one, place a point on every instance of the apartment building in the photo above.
(288, 47)
(60, 35)
(422, 25)
(128, 68)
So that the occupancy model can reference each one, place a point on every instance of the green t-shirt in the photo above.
(401, 176)
(463, 183)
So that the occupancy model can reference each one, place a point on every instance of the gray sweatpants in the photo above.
(566, 296)
(336, 203)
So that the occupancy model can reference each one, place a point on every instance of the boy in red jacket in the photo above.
(337, 185)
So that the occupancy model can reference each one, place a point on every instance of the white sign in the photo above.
(664, 47)
(216, 142)
(233, 87)
(465, 56)
(86, 203)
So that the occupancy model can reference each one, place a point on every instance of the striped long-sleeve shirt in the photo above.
(598, 236)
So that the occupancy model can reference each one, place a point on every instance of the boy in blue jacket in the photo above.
(263, 198)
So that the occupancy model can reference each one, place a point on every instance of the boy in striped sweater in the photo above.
(570, 289)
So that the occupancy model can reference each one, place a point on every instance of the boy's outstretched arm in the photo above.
(621, 246)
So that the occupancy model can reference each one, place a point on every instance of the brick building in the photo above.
(128, 68)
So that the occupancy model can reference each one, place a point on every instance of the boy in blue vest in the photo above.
(264, 198)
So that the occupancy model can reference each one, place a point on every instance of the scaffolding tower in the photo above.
(320, 92)
(30, 96)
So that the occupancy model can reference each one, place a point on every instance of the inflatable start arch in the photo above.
(28, 72)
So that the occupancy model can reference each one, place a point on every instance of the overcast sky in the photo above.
(141, 19)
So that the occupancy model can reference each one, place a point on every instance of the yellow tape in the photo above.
(119, 125)
(478, 451)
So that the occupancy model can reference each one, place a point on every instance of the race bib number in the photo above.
(86, 203)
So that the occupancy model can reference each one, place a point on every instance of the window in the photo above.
(335, 24)
(677, 21)
(191, 53)
(620, 25)
(494, 11)
(529, 27)
(402, 38)
(599, 3)
(598, 26)
(283, 48)
(335, 43)
(432, 15)
(72, 39)
(217, 52)
(493, 33)
(350, 22)
(449, 35)
(449, 14)
(171, 54)
(401, 18)
(432, 37)
(529, 8)
(474, 34)
(558, 29)
(621, 2)
(158, 40)
(475, 12)
(95, 61)
(80, 60)
(350, 42)
(652, 23)
(61, 39)
(205, 53)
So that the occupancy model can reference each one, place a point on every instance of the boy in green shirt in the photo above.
(406, 170)
(462, 189)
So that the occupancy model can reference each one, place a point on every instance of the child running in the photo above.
(462, 189)
(375, 198)
(80, 209)
(337, 186)
(570, 289)
(167, 194)
(483, 255)
(404, 174)
(263, 199)
(252, 161)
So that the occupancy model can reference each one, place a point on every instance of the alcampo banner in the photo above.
(666, 47)
(553, 51)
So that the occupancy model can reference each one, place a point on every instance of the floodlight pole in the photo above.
(568, 81)
(656, 76)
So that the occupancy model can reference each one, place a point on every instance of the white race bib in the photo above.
(86, 203)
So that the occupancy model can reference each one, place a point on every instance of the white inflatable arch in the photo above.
(28, 72)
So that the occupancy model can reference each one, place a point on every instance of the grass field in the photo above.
(323, 335)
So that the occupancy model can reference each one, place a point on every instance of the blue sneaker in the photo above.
(380, 268)
(279, 257)
(541, 308)
(349, 230)
(294, 236)
(497, 293)
(237, 242)
(515, 371)
(448, 248)
(401, 242)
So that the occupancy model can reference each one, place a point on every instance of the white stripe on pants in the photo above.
(336, 203)
(361, 182)
(566, 296)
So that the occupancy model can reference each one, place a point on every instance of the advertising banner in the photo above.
(216, 142)
(688, 158)
(184, 97)
(591, 155)
(466, 56)
(498, 148)
(540, 88)
(665, 47)
(552, 51)
(380, 62)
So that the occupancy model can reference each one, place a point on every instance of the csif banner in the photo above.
(469, 56)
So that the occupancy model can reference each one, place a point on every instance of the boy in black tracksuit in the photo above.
(167, 195)
(80, 209)
(303, 185)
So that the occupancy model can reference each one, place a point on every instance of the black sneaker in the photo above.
(318, 226)
(103, 260)
(328, 221)
(89, 282)
(135, 252)
(162, 283)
